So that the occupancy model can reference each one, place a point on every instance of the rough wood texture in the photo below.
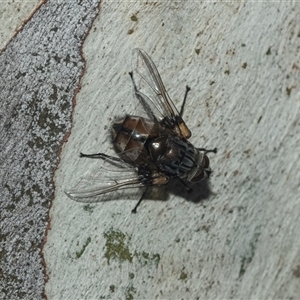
(40, 71)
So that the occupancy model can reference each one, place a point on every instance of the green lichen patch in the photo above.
(249, 254)
(183, 276)
(130, 291)
(117, 246)
(79, 253)
(134, 18)
(88, 208)
(146, 258)
(244, 65)
(112, 288)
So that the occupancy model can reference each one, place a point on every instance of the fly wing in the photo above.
(104, 186)
(151, 91)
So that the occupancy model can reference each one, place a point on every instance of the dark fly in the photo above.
(152, 149)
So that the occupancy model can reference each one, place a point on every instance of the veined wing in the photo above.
(151, 91)
(112, 175)
(104, 186)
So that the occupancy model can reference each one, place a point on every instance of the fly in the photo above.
(151, 149)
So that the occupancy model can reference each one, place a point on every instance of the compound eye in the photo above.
(198, 176)
(203, 171)
(205, 162)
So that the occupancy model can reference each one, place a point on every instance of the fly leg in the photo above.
(103, 156)
(187, 89)
(148, 178)
(135, 88)
(139, 202)
(207, 150)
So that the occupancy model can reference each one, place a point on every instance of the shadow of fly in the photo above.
(153, 149)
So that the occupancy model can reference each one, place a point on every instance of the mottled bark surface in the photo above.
(40, 72)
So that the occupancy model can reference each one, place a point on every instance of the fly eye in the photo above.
(201, 174)
(198, 176)
(205, 162)
(204, 171)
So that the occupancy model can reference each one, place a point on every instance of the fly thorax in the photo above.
(173, 155)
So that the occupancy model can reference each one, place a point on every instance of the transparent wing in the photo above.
(104, 185)
(151, 91)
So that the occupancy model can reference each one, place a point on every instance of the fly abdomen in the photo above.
(130, 135)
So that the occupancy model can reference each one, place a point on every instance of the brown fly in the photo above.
(151, 149)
